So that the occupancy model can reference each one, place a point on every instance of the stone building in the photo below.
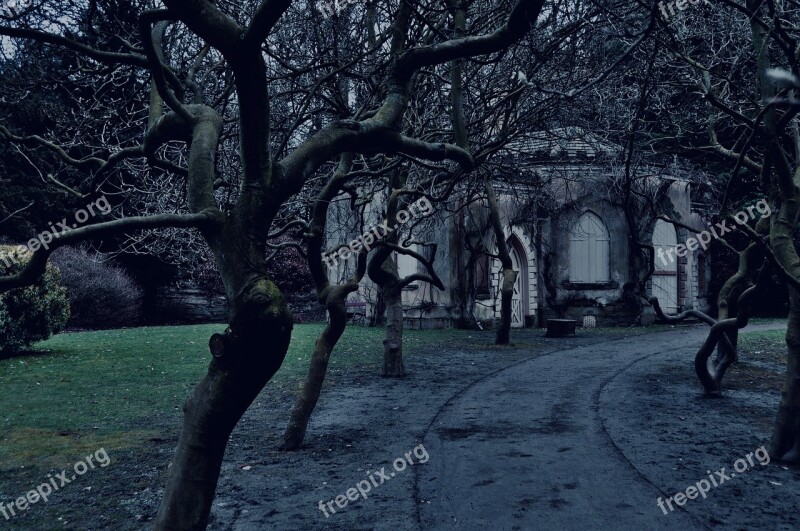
(568, 235)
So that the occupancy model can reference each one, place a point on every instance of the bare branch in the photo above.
(88, 51)
(266, 17)
(36, 265)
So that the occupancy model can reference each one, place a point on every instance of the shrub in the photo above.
(101, 295)
(289, 270)
(32, 313)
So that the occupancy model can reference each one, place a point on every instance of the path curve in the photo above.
(525, 448)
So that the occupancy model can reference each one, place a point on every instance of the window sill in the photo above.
(586, 286)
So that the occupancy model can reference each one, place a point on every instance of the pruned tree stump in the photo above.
(560, 327)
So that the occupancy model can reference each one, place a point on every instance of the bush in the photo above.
(101, 295)
(33, 313)
(289, 270)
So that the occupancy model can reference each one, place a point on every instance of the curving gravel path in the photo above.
(586, 438)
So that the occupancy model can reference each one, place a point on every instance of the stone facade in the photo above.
(562, 203)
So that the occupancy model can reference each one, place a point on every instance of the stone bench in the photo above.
(560, 327)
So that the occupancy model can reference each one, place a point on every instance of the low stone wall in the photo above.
(186, 306)
(174, 306)
(307, 309)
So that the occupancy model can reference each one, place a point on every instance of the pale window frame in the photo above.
(589, 250)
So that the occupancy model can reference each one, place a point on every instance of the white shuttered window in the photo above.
(588, 250)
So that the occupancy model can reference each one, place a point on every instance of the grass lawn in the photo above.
(765, 348)
(761, 364)
(78, 392)
(770, 339)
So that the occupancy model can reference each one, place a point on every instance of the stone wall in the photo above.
(187, 305)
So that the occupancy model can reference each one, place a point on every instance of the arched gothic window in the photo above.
(588, 250)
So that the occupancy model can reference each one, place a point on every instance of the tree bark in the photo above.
(785, 444)
(506, 294)
(307, 400)
(384, 273)
(710, 372)
(727, 300)
(245, 358)
(393, 366)
(509, 275)
(333, 298)
(462, 287)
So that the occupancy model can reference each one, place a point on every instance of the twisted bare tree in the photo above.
(749, 116)
(218, 77)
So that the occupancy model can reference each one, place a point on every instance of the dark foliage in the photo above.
(33, 313)
(101, 295)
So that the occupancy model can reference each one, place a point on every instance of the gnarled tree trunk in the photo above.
(783, 180)
(383, 272)
(727, 300)
(393, 366)
(785, 444)
(509, 276)
(307, 400)
(334, 299)
(711, 371)
(245, 358)
(250, 351)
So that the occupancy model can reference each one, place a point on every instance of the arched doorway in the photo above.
(665, 276)
(520, 300)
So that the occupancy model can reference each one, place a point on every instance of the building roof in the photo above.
(572, 144)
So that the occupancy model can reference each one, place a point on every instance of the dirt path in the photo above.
(570, 436)
(557, 442)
